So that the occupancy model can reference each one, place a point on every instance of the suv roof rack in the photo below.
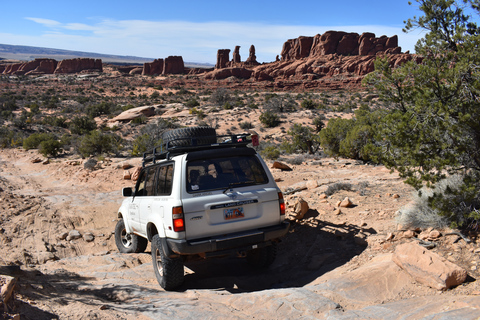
(185, 145)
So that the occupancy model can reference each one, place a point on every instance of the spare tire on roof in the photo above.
(196, 135)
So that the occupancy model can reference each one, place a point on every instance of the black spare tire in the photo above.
(186, 137)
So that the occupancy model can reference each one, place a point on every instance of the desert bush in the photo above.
(50, 148)
(280, 104)
(82, 125)
(97, 143)
(102, 108)
(151, 136)
(55, 121)
(353, 138)
(420, 213)
(33, 141)
(271, 152)
(308, 104)
(245, 125)
(337, 187)
(269, 119)
(303, 139)
(192, 103)
(318, 122)
(221, 96)
(10, 138)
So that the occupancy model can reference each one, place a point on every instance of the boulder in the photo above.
(345, 203)
(130, 114)
(282, 166)
(73, 234)
(301, 208)
(427, 267)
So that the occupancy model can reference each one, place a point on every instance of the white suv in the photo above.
(201, 195)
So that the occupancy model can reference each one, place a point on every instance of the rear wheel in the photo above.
(128, 242)
(262, 257)
(168, 271)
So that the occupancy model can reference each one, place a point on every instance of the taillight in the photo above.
(178, 222)
(282, 204)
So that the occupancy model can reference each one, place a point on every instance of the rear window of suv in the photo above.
(222, 173)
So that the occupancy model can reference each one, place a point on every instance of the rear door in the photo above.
(231, 194)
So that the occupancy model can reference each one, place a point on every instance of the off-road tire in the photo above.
(262, 257)
(201, 134)
(168, 271)
(128, 243)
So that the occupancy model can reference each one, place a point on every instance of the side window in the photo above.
(141, 191)
(165, 180)
(149, 182)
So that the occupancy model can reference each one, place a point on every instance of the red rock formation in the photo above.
(37, 66)
(219, 74)
(252, 58)
(173, 65)
(236, 55)
(296, 48)
(338, 42)
(79, 65)
(152, 68)
(223, 57)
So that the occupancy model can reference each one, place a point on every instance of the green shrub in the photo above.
(50, 148)
(97, 143)
(220, 96)
(100, 109)
(271, 152)
(34, 140)
(191, 103)
(245, 125)
(308, 104)
(269, 119)
(318, 122)
(82, 125)
(9, 138)
(303, 139)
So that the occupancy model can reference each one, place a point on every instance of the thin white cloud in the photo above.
(195, 41)
(46, 22)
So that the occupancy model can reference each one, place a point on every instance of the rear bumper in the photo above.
(228, 242)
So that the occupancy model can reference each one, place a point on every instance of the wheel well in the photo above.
(119, 215)
(151, 231)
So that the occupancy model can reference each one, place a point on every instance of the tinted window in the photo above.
(165, 180)
(145, 184)
(221, 173)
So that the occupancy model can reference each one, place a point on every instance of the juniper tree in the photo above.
(433, 127)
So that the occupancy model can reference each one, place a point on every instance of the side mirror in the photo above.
(127, 192)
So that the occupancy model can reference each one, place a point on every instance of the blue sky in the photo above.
(195, 29)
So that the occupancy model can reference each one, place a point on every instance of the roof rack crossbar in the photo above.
(171, 147)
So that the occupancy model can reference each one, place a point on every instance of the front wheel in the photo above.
(168, 271)
(128, 242)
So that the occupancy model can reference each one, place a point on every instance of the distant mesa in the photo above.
(335, 59)
(51, 66)
(169, 65)
(341, 43)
